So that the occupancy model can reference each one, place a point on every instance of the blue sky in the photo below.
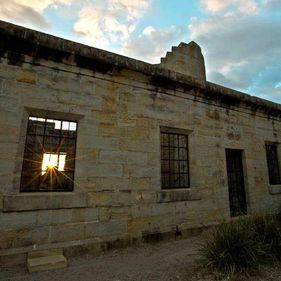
(240, 39)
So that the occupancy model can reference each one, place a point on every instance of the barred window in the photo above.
(272, 164)
(49, 155)
(174, 160)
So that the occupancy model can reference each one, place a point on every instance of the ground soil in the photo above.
(163, 261)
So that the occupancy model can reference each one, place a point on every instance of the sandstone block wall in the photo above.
(117, 197)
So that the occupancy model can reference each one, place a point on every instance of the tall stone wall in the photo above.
(117, 197)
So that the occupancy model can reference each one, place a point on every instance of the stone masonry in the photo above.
(120, 105)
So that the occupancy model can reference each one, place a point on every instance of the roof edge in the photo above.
(37, 38)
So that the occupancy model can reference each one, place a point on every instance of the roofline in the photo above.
(34, 43)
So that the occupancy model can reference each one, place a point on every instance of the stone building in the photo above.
(99, 150)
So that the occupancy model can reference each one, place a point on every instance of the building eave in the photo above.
(18, 41)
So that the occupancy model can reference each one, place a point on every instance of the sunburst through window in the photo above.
(53, 161)
(49, 155)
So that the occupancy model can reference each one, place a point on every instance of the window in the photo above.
(174, 159)
(272, 164)
(49, 155)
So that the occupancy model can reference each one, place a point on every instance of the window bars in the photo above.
(49, 155)
(174, 160)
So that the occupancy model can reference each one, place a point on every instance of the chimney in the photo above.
(186, 59)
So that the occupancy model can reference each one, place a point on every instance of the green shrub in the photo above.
(268, 230)
(234, 247)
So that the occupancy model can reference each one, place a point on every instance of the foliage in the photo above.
(236, 247)
(268, 231)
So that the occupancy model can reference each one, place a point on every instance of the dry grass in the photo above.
(261, 274)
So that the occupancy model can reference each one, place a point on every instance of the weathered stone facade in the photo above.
(120, 104)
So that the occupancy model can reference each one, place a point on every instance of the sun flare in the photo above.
(53, 161)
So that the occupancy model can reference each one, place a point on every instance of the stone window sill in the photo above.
(43, 201)
(177, 195)
(274, 189)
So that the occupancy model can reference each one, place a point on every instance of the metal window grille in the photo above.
(174, 160)
(272, 163)
(49, 155)
(236, 186)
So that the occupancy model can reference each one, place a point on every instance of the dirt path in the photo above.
(162, 261)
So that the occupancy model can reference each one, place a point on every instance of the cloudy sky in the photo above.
(240, 39)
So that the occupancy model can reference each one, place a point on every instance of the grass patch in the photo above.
(268, 231)
(235, 247)
(243, 245)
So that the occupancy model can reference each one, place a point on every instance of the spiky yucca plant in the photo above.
(234, 247)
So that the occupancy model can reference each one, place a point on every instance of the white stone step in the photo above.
(46, 260)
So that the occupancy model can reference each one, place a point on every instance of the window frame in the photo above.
(23, 188)
(271, 175)
(175, 132)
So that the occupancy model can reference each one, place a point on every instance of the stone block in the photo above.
(26, 76)
(81, 99)
(85, 214)
(45, 260)
(31, 237)
(110, 228)
(126, 122)
(22, 237)
(143, 196)
(52, 217)
(109, 198)
(164, 196)
(153, 210)
(98, 142)
(107, 156)
(44, 201)
(102, 170)
(7, 236)
(9, 104)
(137, 158)
(138, 133)
(138, 171)
(114, 213)
(7, 166)
(9, 134)
(154, 158)
(8, 71)
(67, 232)
(18, 259)
(109, 183)
(162, 222)
(17, 220)
(140, 184)
(109, 103)
(127, 144)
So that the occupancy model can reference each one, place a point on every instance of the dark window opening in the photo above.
(49, 155)
(272, 164)
(174, 160)
(236, 186)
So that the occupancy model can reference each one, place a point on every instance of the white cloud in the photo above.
(134, 9)
(153, 43)
(19, 14)
(41, 5)
(104, 22)
(248, 7)
(244, 6)
(239, 50)
(28, 12)
(217, 5)
(272, 4)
